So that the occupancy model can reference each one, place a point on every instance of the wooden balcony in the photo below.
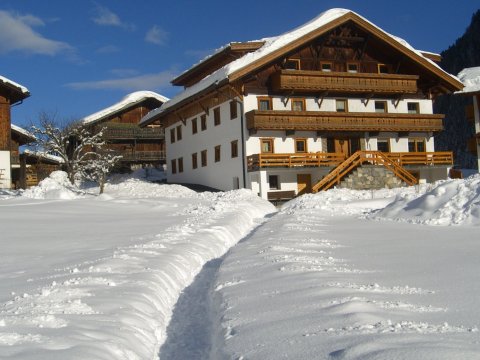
(343, 82)
(139, 156)
(132, 132)
(318, 159)
(337, 121)
(258, 161)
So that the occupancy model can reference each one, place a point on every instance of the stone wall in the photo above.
(370, 177)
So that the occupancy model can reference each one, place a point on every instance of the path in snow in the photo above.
(190, 329)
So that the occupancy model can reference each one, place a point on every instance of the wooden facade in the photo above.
(136, 145)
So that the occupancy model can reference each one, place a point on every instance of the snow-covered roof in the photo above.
(21, 88)
(126, 102)
(44, 155)
(23, 132)
(470, 77)
(271, 45)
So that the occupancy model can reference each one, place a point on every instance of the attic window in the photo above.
(380, 106)
(326, 66)
(341, 105)
(352, 67)
(413, 108)
(292, 64)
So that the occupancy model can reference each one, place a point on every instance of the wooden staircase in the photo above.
(359, 158)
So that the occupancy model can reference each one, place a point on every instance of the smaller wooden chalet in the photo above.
(137, 146)
(11, 136)
(335, 102)
(471, 79)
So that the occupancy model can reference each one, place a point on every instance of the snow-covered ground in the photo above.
(140, 272)
(96, 277)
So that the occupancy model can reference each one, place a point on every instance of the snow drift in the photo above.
(452, 202)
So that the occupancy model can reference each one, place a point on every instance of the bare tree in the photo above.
(96, 168)
(72, 142)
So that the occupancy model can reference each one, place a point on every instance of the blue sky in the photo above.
(79, 56)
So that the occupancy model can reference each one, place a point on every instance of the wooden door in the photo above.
(342, 146)
(304, 184)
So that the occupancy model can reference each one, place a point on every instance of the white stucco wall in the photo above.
(5, 173)
(219, 175)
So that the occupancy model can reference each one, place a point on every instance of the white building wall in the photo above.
(219, 175)
(5, 172)
(476, 112)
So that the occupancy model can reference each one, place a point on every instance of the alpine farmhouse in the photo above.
(335, 102)
(471, 79)
(119, 122)
(11, 136)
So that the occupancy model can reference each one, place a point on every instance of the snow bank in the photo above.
(56, 186)
(452, 202)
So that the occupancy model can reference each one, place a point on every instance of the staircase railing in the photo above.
(358, 158)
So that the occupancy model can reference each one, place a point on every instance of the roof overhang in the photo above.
(223, 56)
(23, 136)
(14, 91)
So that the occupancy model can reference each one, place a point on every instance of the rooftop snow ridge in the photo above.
(127, 101)
(22, 131)
(470, 77)
(272, 44)
(21, 88)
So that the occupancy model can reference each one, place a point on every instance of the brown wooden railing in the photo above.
(133, 132)
(142, 156)
(257, 161)
(392, 161)
(337, 82)
(337, 121)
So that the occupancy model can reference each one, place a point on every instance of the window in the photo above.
(352, 67)
(383, 145)
(380, 106)
(292, 64)
(179, 132)
(382, 69)
(174, 166)
(216, 116)
(194, 126)
(413, 108)
(233, 110)
(266, 146)
(180, 165)
(203, 157)
(203, 122)
(273, 182)
(326, 66)
(217, 153)
(416, 145)
(298, 104)
(194, 161)
(265, 103)
(234, 148)
(301, 145)
(341, 105)
(172, 136)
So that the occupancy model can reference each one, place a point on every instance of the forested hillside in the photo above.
(464, 53)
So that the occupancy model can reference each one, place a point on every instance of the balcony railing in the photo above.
(338, 121)
(343, 82)
(133, 132)
(139, 156)
(257, 161)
